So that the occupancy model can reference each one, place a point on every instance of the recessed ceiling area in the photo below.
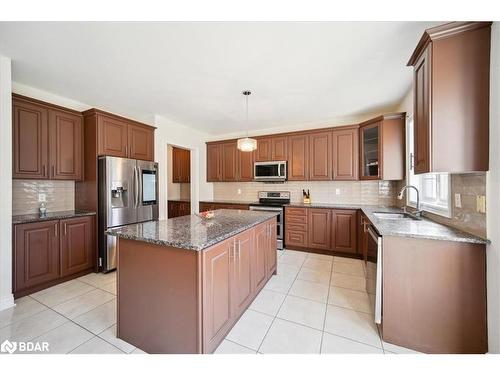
(193, 73)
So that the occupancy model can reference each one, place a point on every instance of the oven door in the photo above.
(374, 270)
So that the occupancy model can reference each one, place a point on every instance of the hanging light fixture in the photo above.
(247, 144)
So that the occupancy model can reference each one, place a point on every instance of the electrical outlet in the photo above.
(458, 200)
(239, 191)
(337, 191)
(481, 204)
(42, 197)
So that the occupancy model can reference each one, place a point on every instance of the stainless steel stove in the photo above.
(274, 201)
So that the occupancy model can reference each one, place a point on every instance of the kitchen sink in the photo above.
(395, 216)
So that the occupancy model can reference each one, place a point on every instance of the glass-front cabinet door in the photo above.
(370, 151)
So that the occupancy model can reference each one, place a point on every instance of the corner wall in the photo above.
(493, 198)
(6, 297)
(170, 132)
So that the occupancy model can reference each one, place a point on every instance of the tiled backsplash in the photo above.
(59, 195)
(348, 192)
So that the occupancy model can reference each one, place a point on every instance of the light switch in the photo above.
(481, 203)
(458, 200)
(239, 191)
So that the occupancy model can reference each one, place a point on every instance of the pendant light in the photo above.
(247, 144)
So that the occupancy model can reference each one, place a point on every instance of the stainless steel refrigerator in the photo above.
(128, 193)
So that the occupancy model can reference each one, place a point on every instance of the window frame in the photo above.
(425, 206)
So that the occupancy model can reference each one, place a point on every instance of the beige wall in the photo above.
(60, 195)
(352, 192)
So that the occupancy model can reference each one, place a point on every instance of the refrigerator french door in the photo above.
(128, 194)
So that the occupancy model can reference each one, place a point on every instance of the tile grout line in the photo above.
(281, 305)
(326, 308)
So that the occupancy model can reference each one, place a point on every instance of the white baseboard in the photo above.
(7, 302)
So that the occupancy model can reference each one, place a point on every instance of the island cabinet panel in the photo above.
(345, 154)
(298, 157)
(320, 156)
(319, 228)
(344, 231)
(36, 254)
(272, 257)
(30, 140)
(260, 253)
(214, 162)
(218, 312)
(434, 295)
(77, 244)
(241, 280)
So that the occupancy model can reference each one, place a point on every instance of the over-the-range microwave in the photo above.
(270, 171)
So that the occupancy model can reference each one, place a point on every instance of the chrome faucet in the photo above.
(418, 212)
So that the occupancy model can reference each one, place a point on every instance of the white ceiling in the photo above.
(193, 73)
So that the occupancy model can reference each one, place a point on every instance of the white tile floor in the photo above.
(315, 304)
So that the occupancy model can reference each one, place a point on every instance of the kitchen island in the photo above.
(182, 283)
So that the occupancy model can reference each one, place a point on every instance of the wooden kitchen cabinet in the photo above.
(49, 252)
(210, 206)
(271, 148)
(245, 166)
(320, 156)
(345, 154)
(319, 228)
(298, 157)
(260, 256)
(77, 244)
(271, 256)
(451, 98)
(382, 147)
(36, 254)
(214, 162)
(241, 278)
(296, 227)
(229, 162)
(343, 232)
(218, 313)
(181, 165)
(178, 208)
(47, 140)
(119, 136)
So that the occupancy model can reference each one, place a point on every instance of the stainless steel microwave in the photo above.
(270, 171)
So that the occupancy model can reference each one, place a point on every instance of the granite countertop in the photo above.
(56, 215)
(227, 201)
(193, 232)
(424, 228)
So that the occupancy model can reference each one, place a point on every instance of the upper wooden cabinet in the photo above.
(47, 140)
(298, 157)
(181, 165)
(226, 163)
(320, 156)
(345, 154)
(271, 148)
(382, 148)
(451, 98)
(121, 137)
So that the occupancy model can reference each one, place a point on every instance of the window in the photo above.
(434, 188)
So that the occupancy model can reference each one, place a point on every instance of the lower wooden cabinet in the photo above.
(48, 252)
(234, 273)
(77, 247)
(36, 254)
(178, 208)
(344, 231)
(321, 229)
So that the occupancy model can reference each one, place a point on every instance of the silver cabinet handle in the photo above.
(64, 228)
(239, 249)
(55, 226)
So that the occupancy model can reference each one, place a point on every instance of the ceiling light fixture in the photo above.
(247, 144)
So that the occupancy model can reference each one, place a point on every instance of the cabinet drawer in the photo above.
(292, 219)
(296, 211)
(294, 238)
(296, 227)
